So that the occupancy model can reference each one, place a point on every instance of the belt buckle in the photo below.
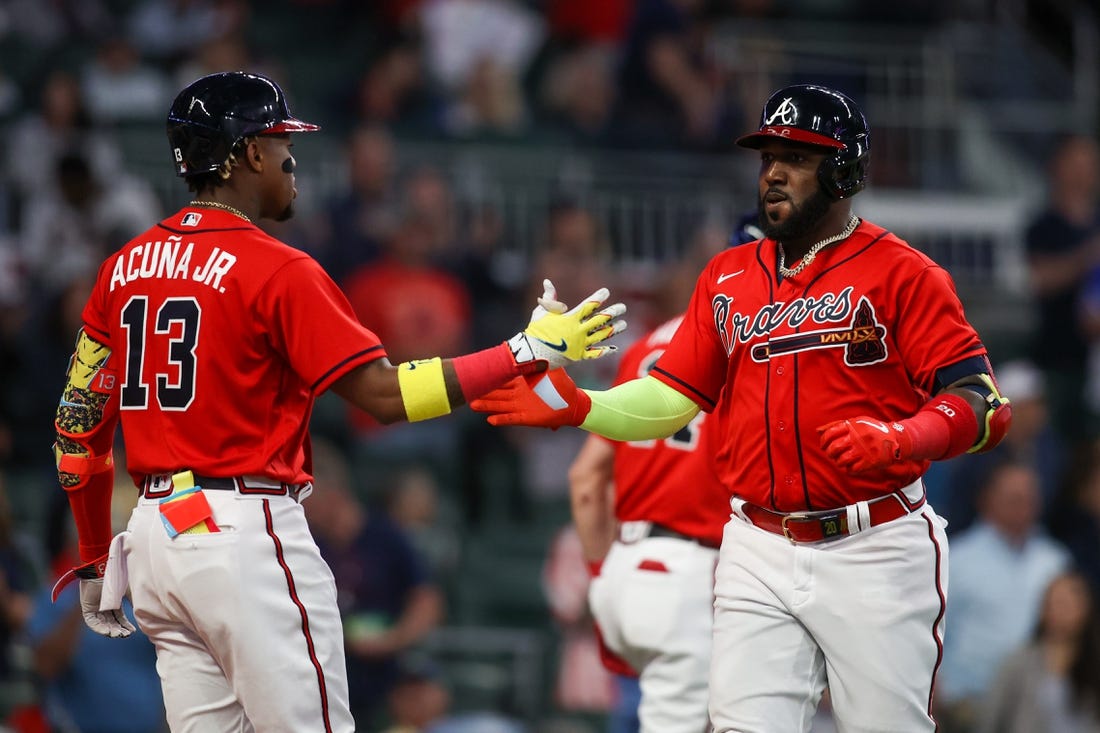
(833, 524)
(787, 530)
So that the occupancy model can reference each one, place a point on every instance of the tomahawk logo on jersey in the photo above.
(762, 344)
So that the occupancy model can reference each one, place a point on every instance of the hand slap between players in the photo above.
(548, 400)
(559, 337)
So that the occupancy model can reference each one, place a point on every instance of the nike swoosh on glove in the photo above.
(108, 622)
(548, 400)
(865, 443)
(558, 336)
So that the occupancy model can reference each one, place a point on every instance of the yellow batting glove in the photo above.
(560, 337)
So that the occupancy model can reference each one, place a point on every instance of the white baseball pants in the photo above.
(245, 623)
(659, 621)
(863, 614)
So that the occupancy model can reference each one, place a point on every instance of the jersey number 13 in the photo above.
(175, 380)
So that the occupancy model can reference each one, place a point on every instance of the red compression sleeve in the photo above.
(91, 507)
(944, 428)
(483, 371)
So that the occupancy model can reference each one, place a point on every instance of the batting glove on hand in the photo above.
(547, 400)
(107, 622)
(865, 443)
(556, 336)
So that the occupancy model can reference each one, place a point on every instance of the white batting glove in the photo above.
(107, 622)
(559, 337)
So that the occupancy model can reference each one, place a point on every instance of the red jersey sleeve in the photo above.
(695, 362)
(935, 332)
(316, 330)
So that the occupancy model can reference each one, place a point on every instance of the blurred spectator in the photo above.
(74, 226)
(1031, 440)
(579, 94)
(415, 307)
(489, 104)
(19, 574)
(168, 31)
(583, 685)
(1063, 247)
(49, 25)
(588, 22)
(670, 92)
(392, 91)
(1052, 685)
(387, 600)
(45, 340)
(413, 502)
(121, 88)
(576, 255)
(93, 684)
(220, 53)
(459, 35)
(1075, 520)
(427, 194)
(420, 703)
(364, 214)
(999, 570)
(38, 139)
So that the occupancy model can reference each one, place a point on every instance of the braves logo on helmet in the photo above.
(785, 114)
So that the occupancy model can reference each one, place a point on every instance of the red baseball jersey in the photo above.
(862, 331)
(671, 481)
(221, 337)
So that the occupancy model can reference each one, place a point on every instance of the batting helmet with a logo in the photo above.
(822, 117)
(215, 112)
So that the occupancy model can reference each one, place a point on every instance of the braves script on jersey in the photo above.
(850, 336)
(170, 303)
(672, 481)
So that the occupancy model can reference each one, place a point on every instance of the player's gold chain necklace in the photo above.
(812, 253)
(224, 207)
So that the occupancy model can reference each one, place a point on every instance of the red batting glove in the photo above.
(547, 400)
(865, 443)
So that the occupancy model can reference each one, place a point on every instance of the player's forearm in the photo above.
(641, 409)
(592, 498)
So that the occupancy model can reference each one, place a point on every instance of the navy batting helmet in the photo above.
(823, 117)
(215, 112)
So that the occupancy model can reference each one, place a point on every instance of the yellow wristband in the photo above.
(423, 389)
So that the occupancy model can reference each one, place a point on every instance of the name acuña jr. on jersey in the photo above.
(864, 331)
(165, 260)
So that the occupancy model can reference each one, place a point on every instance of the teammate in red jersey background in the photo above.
(837, 362)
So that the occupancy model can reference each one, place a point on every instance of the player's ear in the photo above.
(253, 155)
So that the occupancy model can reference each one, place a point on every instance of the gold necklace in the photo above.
(224, 207)
(812, 253)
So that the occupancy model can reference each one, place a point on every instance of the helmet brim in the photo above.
(291, 125)
(790, 134)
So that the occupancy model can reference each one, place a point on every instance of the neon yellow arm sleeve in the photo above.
(641, 409)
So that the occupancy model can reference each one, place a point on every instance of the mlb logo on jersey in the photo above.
(190, 219)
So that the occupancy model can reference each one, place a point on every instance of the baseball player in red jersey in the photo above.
(652, 546)
(209, 340)
(837, 362)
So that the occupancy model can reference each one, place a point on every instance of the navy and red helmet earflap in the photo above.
(825, 118)
(215, 112)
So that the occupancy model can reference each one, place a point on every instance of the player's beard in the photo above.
(802, 220)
